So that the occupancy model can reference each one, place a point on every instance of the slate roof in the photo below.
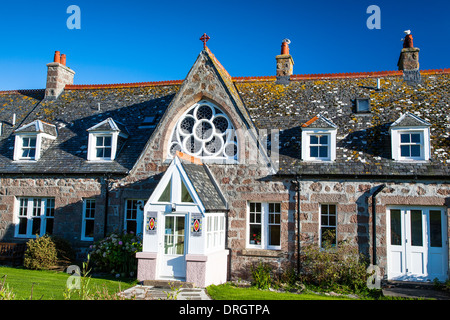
(205, 186)
(363, 140)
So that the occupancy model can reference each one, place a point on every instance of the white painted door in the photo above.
(417, 246)
(173, 262)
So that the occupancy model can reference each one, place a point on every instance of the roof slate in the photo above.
(363, 140)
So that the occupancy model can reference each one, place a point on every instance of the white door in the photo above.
(173, 262)
(417, 247)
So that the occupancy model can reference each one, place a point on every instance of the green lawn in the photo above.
(229, 292)
(50, 285)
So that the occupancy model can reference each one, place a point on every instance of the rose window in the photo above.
(204, 131)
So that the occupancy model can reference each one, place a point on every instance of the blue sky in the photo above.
(137, 41)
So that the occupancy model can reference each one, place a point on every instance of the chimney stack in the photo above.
(285, 63)
(408, 61)
(58, 75)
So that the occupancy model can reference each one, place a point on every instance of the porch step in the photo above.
(167, 284)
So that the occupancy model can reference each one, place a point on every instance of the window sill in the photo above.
(275, 253)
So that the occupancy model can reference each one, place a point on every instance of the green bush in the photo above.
(116, 254)
(40, 254)
(261, 274)
(334, 267)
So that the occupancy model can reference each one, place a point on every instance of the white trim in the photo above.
(425, 151)
(264, 241)
(307, 132)
(30, 201)
(18, 145)
(84, 219)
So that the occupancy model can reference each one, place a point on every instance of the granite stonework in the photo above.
(363, 157)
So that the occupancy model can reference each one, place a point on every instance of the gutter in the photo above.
(296, 182)
(374, 223)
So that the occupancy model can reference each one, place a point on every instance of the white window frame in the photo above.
(85, 219)
(328, 225)
(92, 145)
(424, 143)
(306, 136)
(33, 208)
(139, 218)
(265, 223)
(19, 147)
(215, 231)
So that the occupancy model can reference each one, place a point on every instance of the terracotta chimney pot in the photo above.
(285, 46)
(63, 59)
(57, 57)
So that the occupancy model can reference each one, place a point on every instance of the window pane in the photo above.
(332, 220)
(404, 151)
(405, 138)
(274, 235)
(415, 151)
(32, 153)
(100, 153)
(49, 226)
(324, 139)
(313, 139)
(396, 228)
(255, 234)
(107, 153)
(415, 137)
(33, 142)
(99, 141)
(23, 225)
(185, 196)
(323, 152)
(107, 142)
(416, 228)
(324, 220)
(89, 230)
(131, 226)
(165, 196)
(435, 229)
(328, 236)
(36, 226)
(314, 152)
(26, 142)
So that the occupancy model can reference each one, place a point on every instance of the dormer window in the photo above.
(106, 140)
(410, 138)
(319, 139)
(32, 140)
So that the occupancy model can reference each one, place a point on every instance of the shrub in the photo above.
(261, 275)
(332, 267)
(116, 253)
(40, 254)
(64, 251)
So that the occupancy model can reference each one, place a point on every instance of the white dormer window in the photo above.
(32, 140)
(410, 138)
(319, 140)
(105, 140)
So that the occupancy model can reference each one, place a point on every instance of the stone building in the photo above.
(218, 172)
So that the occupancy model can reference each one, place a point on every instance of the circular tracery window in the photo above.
(206, 132)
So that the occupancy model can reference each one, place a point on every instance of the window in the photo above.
(328, 222)
(87, 232)
(319, 146)
(362, 105)
(411, 145)
(32, 140)
(410, 138)
(35, 217)
(205, 132)
(215, 231)
(264, 225)
(103, 147)
(105, 140)
(133, 215)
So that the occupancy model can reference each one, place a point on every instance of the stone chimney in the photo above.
(58, 75)
(285, 63)
(408, 61)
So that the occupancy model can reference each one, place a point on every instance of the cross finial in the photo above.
(204, 39)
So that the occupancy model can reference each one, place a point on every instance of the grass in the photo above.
(229, 292)
(50, 285)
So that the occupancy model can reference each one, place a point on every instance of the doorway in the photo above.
(173, 262)
(417, 244)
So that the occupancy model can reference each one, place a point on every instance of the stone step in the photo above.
(167, 284)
